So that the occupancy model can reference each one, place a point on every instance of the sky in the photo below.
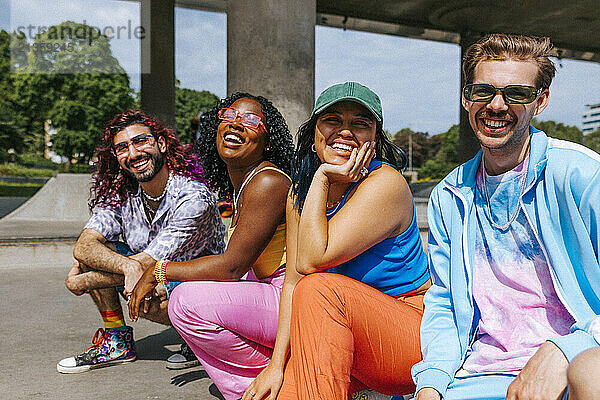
(418, 81)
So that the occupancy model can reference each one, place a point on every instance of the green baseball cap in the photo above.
(352, 91)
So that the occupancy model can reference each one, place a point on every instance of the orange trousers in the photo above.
(347, 336)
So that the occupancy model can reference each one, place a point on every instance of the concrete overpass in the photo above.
(271, 43)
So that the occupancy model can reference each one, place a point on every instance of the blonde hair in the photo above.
(500, 46)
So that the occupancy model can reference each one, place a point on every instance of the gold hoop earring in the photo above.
(312, 148)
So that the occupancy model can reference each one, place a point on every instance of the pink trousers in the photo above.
(230, 326)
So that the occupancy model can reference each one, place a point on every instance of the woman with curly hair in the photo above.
(228, 313)
(352, 322)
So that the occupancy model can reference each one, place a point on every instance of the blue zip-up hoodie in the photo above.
(562, 203)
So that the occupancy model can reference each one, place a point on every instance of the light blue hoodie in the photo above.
(562, 203)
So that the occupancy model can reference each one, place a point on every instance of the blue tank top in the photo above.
(395, 265)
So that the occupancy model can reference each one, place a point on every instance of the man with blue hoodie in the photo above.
(514, 236)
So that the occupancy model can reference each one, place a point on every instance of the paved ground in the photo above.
(42, 323)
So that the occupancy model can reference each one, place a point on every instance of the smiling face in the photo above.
(342, 127)
(498, 125)
(141, 163)
(238, 144)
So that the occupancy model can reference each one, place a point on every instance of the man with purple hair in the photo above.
(149, 191)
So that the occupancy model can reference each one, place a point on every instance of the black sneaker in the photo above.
(184, 358)
(111, 346)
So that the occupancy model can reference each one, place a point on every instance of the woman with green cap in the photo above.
(353, 322)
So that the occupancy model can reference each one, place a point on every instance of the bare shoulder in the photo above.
(269, 180)
(386, 188)
(266, 187)
(387, 181)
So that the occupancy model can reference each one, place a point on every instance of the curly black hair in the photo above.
(280, 150)
(306, 162)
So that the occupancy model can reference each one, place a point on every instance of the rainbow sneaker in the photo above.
(109, 347)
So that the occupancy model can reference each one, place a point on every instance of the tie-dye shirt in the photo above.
(186, 225)
(512, 286)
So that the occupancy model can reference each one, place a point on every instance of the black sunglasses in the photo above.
(512, 94)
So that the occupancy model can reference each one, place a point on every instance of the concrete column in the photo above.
(158, 59)
(468, 145)
(271, 53)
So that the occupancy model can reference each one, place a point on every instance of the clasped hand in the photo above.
(143, 291)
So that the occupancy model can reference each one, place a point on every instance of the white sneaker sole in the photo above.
(182, 365)
(83, 368)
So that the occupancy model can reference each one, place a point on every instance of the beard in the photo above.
(156, 160)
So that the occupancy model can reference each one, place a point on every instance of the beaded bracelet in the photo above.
(157, 268)
(164, 272)
(160, 271)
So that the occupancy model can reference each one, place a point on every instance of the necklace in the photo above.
(159, 198)
(331, 207)
(332, 204)
(150, 210)
(487, 198)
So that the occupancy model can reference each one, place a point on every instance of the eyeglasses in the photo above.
(512, 94)
(249, 119)
(139, 142)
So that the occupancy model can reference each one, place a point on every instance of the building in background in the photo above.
(591, 118)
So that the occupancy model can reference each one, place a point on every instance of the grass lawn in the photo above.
(9, 169)
(19, 189)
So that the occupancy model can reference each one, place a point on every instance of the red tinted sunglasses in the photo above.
(248, 119)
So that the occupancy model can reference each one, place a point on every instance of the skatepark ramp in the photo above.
(63, 198)
(58, 211)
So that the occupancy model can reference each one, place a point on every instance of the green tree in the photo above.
(76, 135)
(72, 79)
(12, 129)
(592, 140)
(449, 146)
(423, 146)
(559, 130)
(446, 159)
(35, 97)
(188, 103)
(72, 48)
(19, 49)
(435, 169)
